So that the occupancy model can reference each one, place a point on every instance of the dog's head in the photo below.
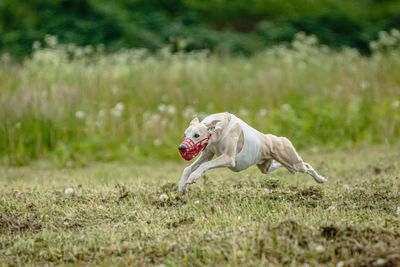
(197, 137)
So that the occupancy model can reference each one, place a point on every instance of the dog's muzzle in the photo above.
(189, 149)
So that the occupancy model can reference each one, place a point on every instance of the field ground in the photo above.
(115, 215)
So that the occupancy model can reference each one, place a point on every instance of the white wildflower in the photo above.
(6, 57)
(120, 106)
(88, 49)
(161, 108)
(117, 110)
(319, 249)
(374, 45)
(395, 33)
(197, 202)
(346, 186)
(266, 190)
(100, 115)
(262, 112)
(243, 112)
(380, 262)
(189, 112)
(314, 149)
(69, 190)
(386, 39)
(163, 197)
(80, 114)
(155, 118)
(51, 40)
(71, 47)
(157, 142)
(286, 107)
(398, 210)
(364, 85)
(171, 109)
(36, 45)
(79, 52)
(340, 264)
(396, 104)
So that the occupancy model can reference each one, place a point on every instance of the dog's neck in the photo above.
(224, 119)
(222, 133)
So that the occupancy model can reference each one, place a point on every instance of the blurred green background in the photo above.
(93, 80)
(222, 26)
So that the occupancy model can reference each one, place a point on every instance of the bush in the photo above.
(239, 26)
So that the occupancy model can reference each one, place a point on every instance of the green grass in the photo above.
(74, 105)
(115, 215)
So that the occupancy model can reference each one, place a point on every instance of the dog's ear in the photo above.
(213, 126)
(194, 121)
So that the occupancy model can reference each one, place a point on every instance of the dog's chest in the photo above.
(248, 154)
(215, 149)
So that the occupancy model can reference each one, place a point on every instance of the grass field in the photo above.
(115, 215)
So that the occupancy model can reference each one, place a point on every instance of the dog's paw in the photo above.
(190, 181)
(320, 179)
(193, 178)
(182, 188)
(182, 191)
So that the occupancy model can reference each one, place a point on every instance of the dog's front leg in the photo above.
(227, 159)
(204, 157)
(222, 161)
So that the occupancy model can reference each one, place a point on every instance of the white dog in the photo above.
(237, 146)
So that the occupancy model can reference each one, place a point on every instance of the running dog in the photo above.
(237, 147)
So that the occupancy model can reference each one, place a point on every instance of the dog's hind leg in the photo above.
(269, 166)
(284, 152)
(274, 165)
(309, 170)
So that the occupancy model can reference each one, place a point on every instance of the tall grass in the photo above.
(73, 104)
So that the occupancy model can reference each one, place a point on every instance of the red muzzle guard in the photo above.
(192, 148)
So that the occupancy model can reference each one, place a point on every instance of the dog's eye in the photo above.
(196, 135)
